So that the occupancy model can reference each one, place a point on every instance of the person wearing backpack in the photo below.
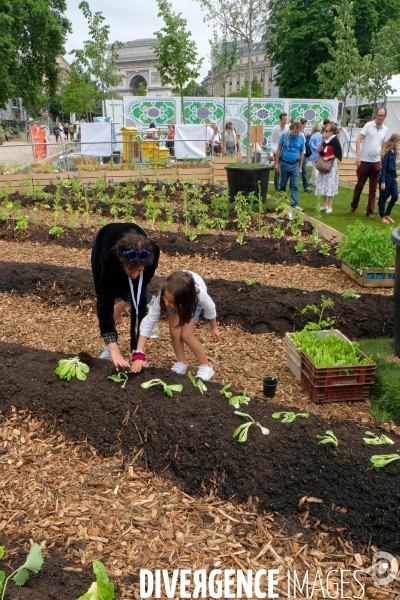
(307, 154)
(289, 160)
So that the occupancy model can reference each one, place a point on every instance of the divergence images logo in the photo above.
(384, 563)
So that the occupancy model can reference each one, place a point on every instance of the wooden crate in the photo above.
(371, 277)
(218, 164)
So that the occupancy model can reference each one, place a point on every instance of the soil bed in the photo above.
(256, 308)
(259, 250)
(189, 439)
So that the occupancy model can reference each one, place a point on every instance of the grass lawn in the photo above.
(340, 218)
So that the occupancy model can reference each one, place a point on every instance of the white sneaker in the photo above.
(323, 208)
(328, 211)
(179, 367)
(105, 353)
(205, 372)
(298, 208)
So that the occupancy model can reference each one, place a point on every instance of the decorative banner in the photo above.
(145, 111)
(197, 112)
(314, 112)
(263, 113)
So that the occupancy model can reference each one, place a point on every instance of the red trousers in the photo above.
(364, 171)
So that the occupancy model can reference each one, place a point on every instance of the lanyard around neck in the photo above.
(137, 299)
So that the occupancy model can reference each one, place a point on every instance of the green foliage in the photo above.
(250, 282)
(176, 52)
(93, 57)
(300, 247)
(242, 431)
(32, 36)
(22, 223)
(56, 231)
(235, 401)
(101, 589)
(322, 323)
(79, 94)
(289, 417)
(120, 377)
(71, 367)
(142, 91)
(240, 239)
(329, 351)
(195, 89)
(374, 440)
(324, 250)
(329, 438)
(381, 460)
(167, 389)
(244, 90)
(365, 247)
(350, 295)
(20, 576)
(197, 384)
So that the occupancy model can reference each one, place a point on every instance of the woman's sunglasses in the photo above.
(136, 254)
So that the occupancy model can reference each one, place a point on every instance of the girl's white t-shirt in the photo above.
(152, 317)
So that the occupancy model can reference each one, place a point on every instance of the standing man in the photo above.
(291, 153)
(306, 185)
(275, 137)
(370, 146)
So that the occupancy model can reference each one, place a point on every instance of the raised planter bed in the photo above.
(371, 277)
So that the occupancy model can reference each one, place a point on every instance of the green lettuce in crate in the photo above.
(329, 351)
(363, 246)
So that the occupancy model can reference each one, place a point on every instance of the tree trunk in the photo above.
(182, 107)
(104, 107)
(250, 48)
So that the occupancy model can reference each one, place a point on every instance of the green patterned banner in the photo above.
(263, 113)
(312, 111)
(200, 111)
(152, 111)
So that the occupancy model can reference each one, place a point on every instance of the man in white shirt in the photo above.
(275, 137)
(370, 146)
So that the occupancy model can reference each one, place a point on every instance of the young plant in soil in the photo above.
(381, 460)
(167, 389)
(197, 384)
(250, 282)
(300, 247)
(289, 417)
(363, 246)
(350, 295)
(322, 323)
(324, 250)
(374, 440)
(101, 589)
(71, 367)
(119, 378)
(33, 563)
(234, 401)
(242, 431)
(329, 438)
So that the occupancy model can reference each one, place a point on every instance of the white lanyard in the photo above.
(137, 299)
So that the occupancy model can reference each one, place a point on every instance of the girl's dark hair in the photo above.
(182, 287)
(133, 241)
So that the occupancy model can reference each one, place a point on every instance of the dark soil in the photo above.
(52, 582)
(189, 438)
(259, 250)
(256, 308)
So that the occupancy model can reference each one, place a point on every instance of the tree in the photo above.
(244, 90)
(223, 59)
(195, 89)
(32, 35)
(176, 51)
(93, 57)
(244, 21)
(142, 89)
(346, 74)
(80, 94)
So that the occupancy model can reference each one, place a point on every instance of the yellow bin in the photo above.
(152, 151)
(129, 150)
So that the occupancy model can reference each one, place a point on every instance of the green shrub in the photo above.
(363, 247)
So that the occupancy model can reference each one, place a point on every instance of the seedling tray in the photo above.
(335, 393)
(371, 277)
(293, 358)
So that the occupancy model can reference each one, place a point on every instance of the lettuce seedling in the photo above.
(242, 431)
(234, 401)
(349, 294)
(329, 438)
(374, 440)
(197, 384)
(71, 367)
(224, 391)
(250, 282)
(119, 378)
(289, 417)
(101, 589)
(381, 460)
(167, 389)
(33, 563)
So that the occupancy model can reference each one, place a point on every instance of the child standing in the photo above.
(183, 297)
(388, 179)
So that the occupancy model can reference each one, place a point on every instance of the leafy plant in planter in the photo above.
(364, 247)
(235, 401)
(197, 384)
(71, 367)
(242, 431)
(322, 323)
(167, 389)
(328, 438)
(329, 351)
(119, 378)
(381, 460)
(374, 440)
(289, 417)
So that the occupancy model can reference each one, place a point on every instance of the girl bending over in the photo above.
(182, 298)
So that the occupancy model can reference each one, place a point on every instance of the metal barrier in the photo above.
(69, 156)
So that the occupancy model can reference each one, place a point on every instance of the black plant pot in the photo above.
(269, 385)
(247, 179)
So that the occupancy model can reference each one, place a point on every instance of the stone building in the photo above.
(261, 69)
(137, 63)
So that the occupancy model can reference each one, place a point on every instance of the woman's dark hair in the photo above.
(333, 129)
(133, 241)
(182, 287)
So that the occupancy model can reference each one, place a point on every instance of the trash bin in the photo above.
(116, 157)
(130, 149)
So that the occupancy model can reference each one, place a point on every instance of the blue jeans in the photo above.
(292, 172)
(391, 189)
(304, 178)
(277, 179)
(230, 152)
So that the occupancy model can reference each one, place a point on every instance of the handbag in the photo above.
(323, 166)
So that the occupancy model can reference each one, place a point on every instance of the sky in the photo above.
(135, 19)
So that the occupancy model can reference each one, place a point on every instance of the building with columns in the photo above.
(261, 69)
(137, 63)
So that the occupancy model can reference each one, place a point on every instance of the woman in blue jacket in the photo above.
(388, 179)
